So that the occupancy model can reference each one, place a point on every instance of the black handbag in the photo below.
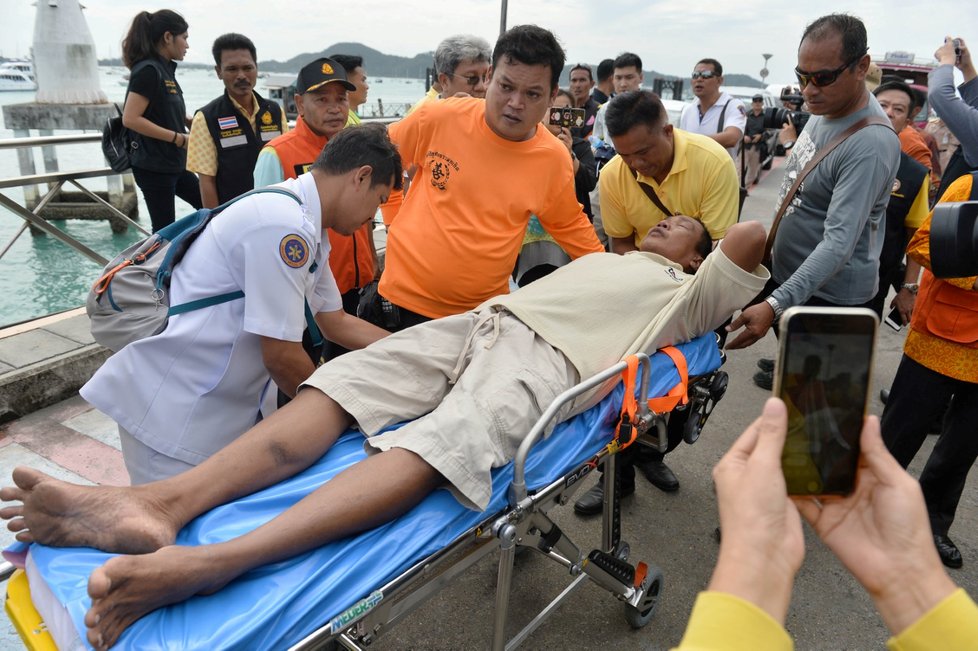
(115, 143)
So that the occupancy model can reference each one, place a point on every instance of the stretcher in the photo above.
(352, 591)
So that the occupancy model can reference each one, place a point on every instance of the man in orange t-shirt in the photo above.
(484, 167)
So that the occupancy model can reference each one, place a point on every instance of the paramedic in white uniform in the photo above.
(182, 395)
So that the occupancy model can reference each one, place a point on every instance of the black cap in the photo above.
(757, 98)
(319, 73)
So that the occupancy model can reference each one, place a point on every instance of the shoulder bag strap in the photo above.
(723, 116)
(654, 198)
(822, 153)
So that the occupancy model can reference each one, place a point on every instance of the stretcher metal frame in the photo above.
(526, 524)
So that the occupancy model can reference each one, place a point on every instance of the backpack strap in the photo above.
(315, 335)
(180, 231)
(269, 189)
(162, 278)
(822, 153)
(190, 306)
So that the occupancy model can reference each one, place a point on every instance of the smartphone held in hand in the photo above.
(566, 117)
(823, 375)
(894, 319)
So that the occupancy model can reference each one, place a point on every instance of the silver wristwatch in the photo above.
(910, 287)
(778, 310)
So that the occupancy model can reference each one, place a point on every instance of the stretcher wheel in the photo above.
(693, 427)
(638, 617)
(719, 386)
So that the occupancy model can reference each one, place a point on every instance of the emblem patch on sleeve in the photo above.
(294, 250)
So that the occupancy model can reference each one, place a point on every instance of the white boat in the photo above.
(17, 75)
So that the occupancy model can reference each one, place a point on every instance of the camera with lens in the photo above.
(954, 240)
(775, 118)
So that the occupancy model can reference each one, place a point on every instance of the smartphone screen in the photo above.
(823, 377)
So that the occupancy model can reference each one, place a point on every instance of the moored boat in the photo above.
(17, 75)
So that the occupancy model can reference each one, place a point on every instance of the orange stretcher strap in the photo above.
(678, 394)
(626, 432)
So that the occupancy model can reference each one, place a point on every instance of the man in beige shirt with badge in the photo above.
(227, 134)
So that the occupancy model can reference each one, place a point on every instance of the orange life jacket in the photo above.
(946, 311)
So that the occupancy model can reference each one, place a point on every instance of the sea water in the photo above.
(39, 275)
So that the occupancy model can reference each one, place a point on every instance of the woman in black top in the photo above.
(155, 114)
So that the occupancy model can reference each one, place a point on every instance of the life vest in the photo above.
(237, 143)
(350, 256)
(165, 109)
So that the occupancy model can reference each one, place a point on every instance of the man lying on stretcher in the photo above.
(468, 386)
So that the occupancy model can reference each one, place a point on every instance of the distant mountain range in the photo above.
(378, 64)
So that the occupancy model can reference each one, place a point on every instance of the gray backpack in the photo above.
(131, 299)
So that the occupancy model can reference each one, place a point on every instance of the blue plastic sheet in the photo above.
(277, 605)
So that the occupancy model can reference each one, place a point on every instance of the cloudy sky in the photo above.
(665, 33)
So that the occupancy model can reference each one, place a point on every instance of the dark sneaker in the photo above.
(948, 551)
(766, 364)
(592, 502)
(660, 475)
(764, 379)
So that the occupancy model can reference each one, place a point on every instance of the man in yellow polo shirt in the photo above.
(659, 171)
(687, 173)
(227, 134)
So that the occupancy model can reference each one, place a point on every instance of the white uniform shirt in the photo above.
(195, 387)
(735, 116)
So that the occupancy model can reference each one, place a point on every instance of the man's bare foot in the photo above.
(128, 587)
(56, 513)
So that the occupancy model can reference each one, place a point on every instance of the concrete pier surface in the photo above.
(829, 611)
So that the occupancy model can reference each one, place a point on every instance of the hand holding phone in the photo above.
(566, 116)
(894, 319)
(823, 376)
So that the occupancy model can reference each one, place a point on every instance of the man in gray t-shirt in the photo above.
(827, 247)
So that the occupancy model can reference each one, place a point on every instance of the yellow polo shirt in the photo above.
(919, 209)
(201, 150)
(702, 184)
(430, 96)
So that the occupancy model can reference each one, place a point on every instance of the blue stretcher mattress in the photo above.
(279, 604)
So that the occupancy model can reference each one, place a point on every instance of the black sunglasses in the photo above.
(473, 80)
(703, 74)
(821, 78)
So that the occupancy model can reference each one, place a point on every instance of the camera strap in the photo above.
(821, 154)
